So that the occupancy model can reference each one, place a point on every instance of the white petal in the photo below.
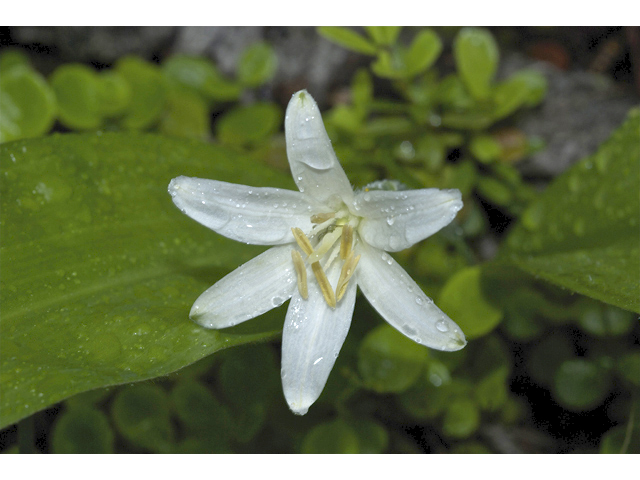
(260, 216)
(393, 221)
(263, 283)
(312, 337)
(401, 302)
(313, 162)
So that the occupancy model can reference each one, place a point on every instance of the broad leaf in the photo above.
(583, 232)
(99, 268)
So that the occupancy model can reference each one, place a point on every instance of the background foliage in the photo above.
(99, 269)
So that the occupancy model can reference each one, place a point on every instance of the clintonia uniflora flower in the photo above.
(327, 240)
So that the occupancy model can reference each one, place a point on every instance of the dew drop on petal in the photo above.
(442, 326)
(419, 301)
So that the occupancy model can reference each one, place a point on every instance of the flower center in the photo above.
(330, 238)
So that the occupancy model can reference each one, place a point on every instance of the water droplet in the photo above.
(277, 301)
(419, 301)
(391, 220)
(366, 197)
(318, 360)
(441, 326)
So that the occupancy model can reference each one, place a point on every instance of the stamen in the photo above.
(327, 242)
(325, 286)
(346, 241)
(301, 273)
(345, 275)
(322, 217)
(302, 240)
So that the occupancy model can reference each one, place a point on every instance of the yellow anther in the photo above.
(325, 286)
(325, 245)
(346, 241)
(302, 240)
(322, 217)
(301, 273)
(345, 275)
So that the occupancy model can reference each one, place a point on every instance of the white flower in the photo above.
(328, 240)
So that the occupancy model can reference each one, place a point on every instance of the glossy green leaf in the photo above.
(331, 437)
(621, 439)
(100, 269)
(27, 104)
(248, 379)
(82, 430)
(383, 35)
(582, 233)
(114, 93)
(77, 91)
(349, 39)
(525, 88)
(628, 367)
(388, 361)
(605, 320)
(13, 58)
(246, 125)
(148, 92)
(201, 76)
(186, 115)
(199, 409)
(142, 415)
(485, 148)
(423, 52)
(372, 437)
(257, 65)
(462, 299)
(581, 384)
(461, 418)
(477, 55)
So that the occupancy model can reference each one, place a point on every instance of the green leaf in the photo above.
(114, 92)
(247, 125)
(201, 76)
(252, 367)
(257, 65)
(461, 418)
(27, 104)
(384, 36)
(462, 299)
(77, 91)
(199, 410)
(581, 384)
(525, 88)
(82, 430)
(388, 361)
(99, 269)
(142, 415)
(186, 115)
(13, 58)
(477, 55)
(424, 50)
(348, 39)
(147, 92)
(582, 233)
(331, 437)
(621, 439)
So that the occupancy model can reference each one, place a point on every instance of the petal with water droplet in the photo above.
(394, 221)
(256, 287)
(312, 338)
(401, 302)
(259, 216)
(313, 162)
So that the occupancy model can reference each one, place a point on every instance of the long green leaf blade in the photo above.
(99, 269)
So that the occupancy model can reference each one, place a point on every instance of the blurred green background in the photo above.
(538, 128)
